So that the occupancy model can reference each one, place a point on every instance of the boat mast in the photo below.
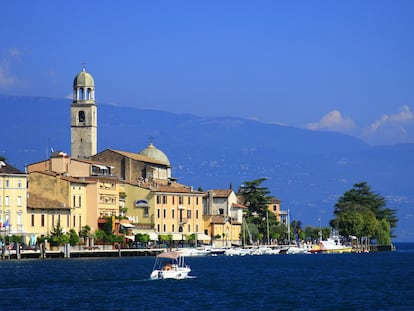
(267, 224)
(288, 226)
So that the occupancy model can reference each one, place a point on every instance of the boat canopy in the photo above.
(169, 255)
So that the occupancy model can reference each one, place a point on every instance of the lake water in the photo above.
(375, 281)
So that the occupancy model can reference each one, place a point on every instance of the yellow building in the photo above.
(13, 195)
(223, 231)
(53, 199)
(101, 197)
(139, 204)
(178, 211)
(274, 207)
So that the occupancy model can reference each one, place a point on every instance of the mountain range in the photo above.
(306, 170)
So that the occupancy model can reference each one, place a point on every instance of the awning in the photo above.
(152, 234)
(126, 225)
(130, 237)
(203, 237)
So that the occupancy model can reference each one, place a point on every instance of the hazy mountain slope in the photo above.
(307, 170)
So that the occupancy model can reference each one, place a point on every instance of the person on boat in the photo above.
(167, 267)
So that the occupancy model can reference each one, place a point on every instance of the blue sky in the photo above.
(346, 66)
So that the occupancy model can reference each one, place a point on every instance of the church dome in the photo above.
(83, 79)
(156, 154)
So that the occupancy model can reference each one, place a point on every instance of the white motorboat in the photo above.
(170, 265)
(193, 252)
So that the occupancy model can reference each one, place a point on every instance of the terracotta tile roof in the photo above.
(218, 219)
(161, 185)
(8, 169)
(36, 201)
(273, 200)
(79, 180)
(137, 157)
(237, 205)
(221, 193)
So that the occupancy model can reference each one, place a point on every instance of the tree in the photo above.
(73, 237)
(85, 232)
(359, 211)
(142, 238)
(101, 236)
(255, 197)
(58, 236)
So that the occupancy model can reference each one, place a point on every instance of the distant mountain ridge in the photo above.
(307, 170)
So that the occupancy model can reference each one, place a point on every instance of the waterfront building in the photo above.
(149, 164)
(274, 207)
(154, 200)
(13, 193)
(101, 197)
(223, 216)
(224, 231)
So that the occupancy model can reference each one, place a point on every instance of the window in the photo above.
(67, 220)
(180, 200)
(146, 212)
(19, 183)
(81, 116)
(196, 200)
(19, 201)
(74, 221)
(172, 214)
(158, 228)
(188, 201)
(188, 214)
(164, 199)
(74, 201)
(165, 213)
(42, 220)
(158, 213)
(7, 183)
(196, 213)
(19, 218)
(80, 201)
(189, 228)
(158, 199)
(32, 220)
(53, 220)
(196, 228)
(165, 228)
(173, 199)
(172, 228)
(7, 200)
(80, 221)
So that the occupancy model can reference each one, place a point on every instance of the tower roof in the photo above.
(84, 79)
(154, 153)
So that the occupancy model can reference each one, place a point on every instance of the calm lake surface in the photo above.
(375, 281)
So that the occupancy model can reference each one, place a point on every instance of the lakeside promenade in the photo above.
(79, 252)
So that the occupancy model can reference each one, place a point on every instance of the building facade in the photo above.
(13, 194)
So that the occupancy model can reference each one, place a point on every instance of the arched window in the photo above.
(81, 94)
(88, 94)
(81, 116)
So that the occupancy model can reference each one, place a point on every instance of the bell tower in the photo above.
(83, 117)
